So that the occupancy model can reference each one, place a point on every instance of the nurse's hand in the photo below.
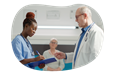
(42, 65)
(40, 57)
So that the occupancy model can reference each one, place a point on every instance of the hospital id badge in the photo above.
(33, 53)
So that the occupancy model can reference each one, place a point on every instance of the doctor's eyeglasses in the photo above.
(77, 16)
(53, 42)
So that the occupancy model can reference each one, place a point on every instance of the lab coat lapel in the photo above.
(76, 47)
(83, 40)
(82, 43)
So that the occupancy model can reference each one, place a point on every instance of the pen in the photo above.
(37, 52)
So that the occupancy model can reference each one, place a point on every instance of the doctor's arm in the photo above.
(69, 57)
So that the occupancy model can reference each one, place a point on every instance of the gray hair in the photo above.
(53, 39)
(84, 9)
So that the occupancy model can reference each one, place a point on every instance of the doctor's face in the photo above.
(53, 44)
(80, 19)
(31, 29)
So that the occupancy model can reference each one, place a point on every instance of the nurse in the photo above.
(21, 45)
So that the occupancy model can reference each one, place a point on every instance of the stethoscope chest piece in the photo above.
(88, 31)
(33, 53)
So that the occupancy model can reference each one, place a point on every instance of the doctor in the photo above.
(21, 45)
(89, 43)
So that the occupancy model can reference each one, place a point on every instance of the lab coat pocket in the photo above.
(85, 48)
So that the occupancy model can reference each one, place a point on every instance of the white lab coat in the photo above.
(88, 49)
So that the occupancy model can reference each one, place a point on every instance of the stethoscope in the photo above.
(86, 37)
(27, 43)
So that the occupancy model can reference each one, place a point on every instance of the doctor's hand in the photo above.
(60, 55)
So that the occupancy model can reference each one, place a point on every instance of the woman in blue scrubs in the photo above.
(21, 45)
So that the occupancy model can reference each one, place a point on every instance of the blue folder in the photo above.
(46, 61)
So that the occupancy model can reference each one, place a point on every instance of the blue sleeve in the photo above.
(17, 48)
(66, 56)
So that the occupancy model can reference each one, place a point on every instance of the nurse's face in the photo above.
(53, 44)
(30, 30)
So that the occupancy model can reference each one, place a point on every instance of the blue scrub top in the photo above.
(21, 49)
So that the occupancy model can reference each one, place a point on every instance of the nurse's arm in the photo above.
(25, 61)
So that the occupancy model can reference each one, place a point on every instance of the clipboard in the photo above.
(46, 61)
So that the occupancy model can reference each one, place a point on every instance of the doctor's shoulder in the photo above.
(96, 28)
(95, 31)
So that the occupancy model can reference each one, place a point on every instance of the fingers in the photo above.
(59, 55)
(55, 54)
(42, 57)
(42, 65)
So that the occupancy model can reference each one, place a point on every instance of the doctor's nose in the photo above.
(76, 20)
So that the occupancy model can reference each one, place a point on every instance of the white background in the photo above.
(65, 37)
